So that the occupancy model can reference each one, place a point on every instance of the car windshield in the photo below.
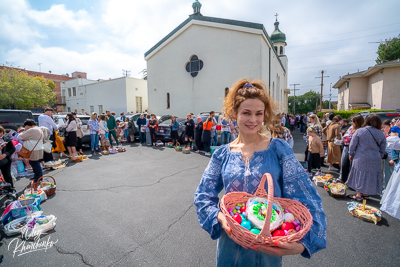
(14, 117)
(84, 120)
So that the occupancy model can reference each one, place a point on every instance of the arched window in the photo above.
(168, 101)
(226, 91)
(276, 49)
(281, 50)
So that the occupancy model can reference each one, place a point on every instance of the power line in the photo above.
(346, 32)
(333, 65)
(327, 55)
(350, 38)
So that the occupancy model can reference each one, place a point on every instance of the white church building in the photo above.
(192, 68)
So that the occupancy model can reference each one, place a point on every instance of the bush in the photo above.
(348, 114)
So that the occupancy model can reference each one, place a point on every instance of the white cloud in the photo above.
(58, 16)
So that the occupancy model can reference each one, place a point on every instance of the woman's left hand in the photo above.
(280, 249)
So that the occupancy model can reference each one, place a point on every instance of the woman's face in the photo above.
(277, 130)
(311, 119)
(250, 116)
(386, 128)
(153, 118)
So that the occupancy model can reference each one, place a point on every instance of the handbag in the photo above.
(338, 142)
(47, 146)
(385, 155)
(26, 153)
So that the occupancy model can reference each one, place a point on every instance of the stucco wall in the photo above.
(343, 97)
(375, 88)
(391, 88)
(131, 85)
(228, 56)
(358, 90)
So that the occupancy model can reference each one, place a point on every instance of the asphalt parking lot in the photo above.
(136, 209)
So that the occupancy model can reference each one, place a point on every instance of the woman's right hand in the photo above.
(224, 223)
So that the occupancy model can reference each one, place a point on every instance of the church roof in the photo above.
(277, 36)
(199, 17)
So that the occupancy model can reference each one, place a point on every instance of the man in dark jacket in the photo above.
(112, 127)
(7, 149)
(141, 123)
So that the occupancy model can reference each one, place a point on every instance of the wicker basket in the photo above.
(121, 149)
(170, 145)
(186, 150)
(247, 239)
(50, 191)
(178, 147)
(159, 143)
(105, 152)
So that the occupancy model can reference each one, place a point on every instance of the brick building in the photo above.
(57, 79)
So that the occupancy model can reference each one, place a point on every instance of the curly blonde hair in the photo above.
(257, 90)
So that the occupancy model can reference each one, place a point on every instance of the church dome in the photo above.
(196, 4)
(277, 36)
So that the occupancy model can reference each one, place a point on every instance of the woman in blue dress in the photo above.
(239, 166)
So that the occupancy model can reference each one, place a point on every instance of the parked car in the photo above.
(164, 131)
(60, 120)
(12, 119)
(383, 115)
(36, 117)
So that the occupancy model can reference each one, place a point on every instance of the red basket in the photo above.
(247, 239)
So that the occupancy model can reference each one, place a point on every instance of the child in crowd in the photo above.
(315, 149)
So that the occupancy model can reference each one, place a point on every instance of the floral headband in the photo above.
(248, 85)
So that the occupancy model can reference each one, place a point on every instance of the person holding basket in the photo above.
(240, 165)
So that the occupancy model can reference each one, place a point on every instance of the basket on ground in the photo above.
(186, 150)
(171, 145)
(48, 187)
(159, 143)
(247, 239)
(178, 147)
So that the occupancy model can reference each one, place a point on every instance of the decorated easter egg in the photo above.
(243, 209)
(287, 226)
(237, 207)
(255, 231)
(237, 218)
(278, 233)
(288, 217)
(246, 224)
(231, 213)
(297, 228)
(230, 210)
(235, 211)
(295, 223)
(244, 213)
(243, 217)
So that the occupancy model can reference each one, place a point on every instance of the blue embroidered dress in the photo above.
(226, 170)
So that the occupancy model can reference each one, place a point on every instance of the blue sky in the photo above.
(105, 36)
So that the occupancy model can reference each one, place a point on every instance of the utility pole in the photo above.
(126, 73)
(294, 99)
(322, 87)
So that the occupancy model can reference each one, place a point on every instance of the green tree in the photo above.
(304, 103)
(388, 50)
(144, 74)
(19, 90)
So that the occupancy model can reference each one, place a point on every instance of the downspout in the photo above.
(269, 69)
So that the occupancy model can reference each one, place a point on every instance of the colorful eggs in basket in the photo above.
(288, 217)
(287, 226)
(246, 224)
(255, 231)
(278, 233)
(237, 218)
(243, 209)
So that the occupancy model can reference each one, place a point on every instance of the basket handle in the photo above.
(42, 179)
(177, 144)
(265, 231)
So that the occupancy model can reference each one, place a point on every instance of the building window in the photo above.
(281, 50)
(91, 108)
(226, 91)
(69, 109)
(69, 92)
(73, 91)
(168, 102)
(138, 104)
(194, 66)
(100, 109)
(347, 84)
(276, 49)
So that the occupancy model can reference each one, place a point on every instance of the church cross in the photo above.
(276, 15)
